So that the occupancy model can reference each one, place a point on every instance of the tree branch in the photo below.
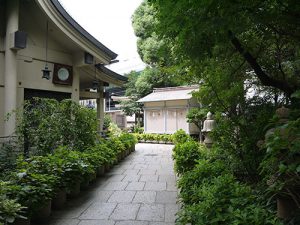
(262, 76)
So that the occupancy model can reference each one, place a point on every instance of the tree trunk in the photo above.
(262, 76)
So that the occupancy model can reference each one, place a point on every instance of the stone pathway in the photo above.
(141, 190)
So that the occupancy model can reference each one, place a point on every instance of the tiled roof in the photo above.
(170, 93)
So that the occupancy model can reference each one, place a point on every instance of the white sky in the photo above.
(109, 21)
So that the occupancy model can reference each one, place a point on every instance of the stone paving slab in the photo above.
(96, 222)
(135, 186)
(166, 197)
(99, 211)
(141, 190)
(152, 212)
(156, 186)
(131, 222)
(122, 196)
(125, 212)
(153, 178)
(145, 197)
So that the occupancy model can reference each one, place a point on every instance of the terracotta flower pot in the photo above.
(20, 221)
(84, 185)
(74, 192)
(133, 148)
(107, 167)
(59, 199)
(100, 170)
(42, 214)
(285, 207)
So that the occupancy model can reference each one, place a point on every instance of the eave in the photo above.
(75, 32)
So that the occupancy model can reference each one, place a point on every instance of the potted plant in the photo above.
(34, 191)
(10, 210)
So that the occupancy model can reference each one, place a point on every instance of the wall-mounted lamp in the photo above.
(95, 84)
(46, 71)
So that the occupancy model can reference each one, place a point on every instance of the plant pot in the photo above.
(285, 207)
(41, 215)
(84, 184)
(120, 157)
(93, 177)
(100, 171)
(59, 199)
(20, 221)
(75, 190)
(107, 167)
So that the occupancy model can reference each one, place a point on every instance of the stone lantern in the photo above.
(208, 125)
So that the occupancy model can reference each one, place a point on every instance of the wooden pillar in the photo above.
(10, 66)
(100, 108)
(75, 85)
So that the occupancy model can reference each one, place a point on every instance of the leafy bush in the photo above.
(180, 137)
(114, 130)
(205, 170)
(46, 124)
(10, 209)
(165, 138)
(210, 193)
(137, 129)
(107, 121)
(281, 164)
(128, 140)
(223, 200)
(186, 155)
(31, 190)
(107, 153)
(75, 166)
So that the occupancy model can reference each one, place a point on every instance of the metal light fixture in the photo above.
(95, 84)
(46, 71)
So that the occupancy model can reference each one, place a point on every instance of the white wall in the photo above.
(172, 116)
(166, 116)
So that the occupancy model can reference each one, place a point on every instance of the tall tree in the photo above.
(263, 35)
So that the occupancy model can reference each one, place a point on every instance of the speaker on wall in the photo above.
(19, 40)
(88, 58)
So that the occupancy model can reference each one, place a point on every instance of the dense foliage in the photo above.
(68, 154)
(211, 194)
(37, 179)
(245, 56)
(45, 124)
(154, 138)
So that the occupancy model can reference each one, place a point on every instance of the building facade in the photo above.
(38, 36)
(165, 110)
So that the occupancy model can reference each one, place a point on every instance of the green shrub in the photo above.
(75, 167)
(108, 154)
(31, 190)
(281, 164)
(223, 200)
(116, 145)
(128, 140)
(180, 137)
(114, 130)
(186, 155)
(10, 209)
(50, 124)
(166, 138)
(205, 170)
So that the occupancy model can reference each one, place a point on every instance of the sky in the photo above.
(109, 21)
